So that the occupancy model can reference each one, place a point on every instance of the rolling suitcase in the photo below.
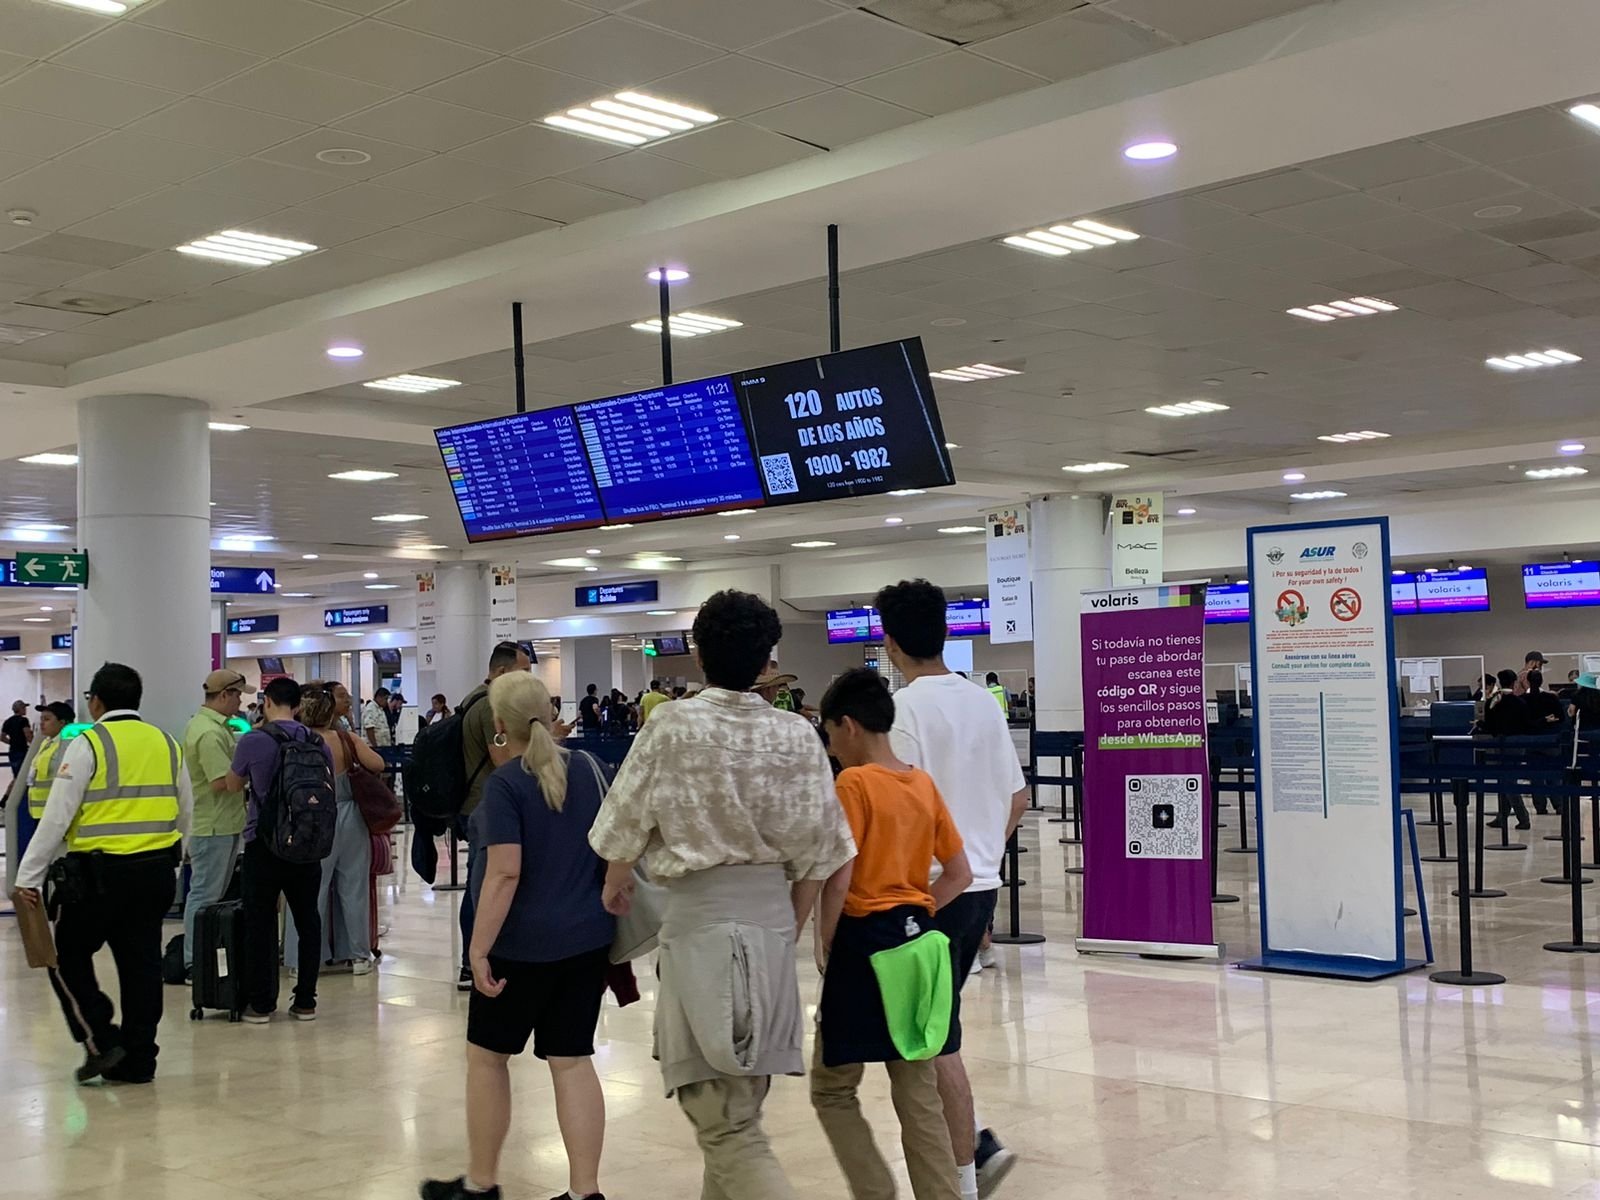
(219, 960)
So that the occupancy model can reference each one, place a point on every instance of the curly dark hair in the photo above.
(735, 633)
(913, 613)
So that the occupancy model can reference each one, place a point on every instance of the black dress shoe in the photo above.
(1497, 823)
(1524, 825)
(95, 1065)
(454, 1189)
(126, 1074)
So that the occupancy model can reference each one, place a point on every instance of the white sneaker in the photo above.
(986, 958)
(977, 966)
(361, 966)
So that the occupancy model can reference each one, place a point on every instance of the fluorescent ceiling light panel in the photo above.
(1356, 306)
(400, 518)
(1587, 113)
(1095, 468)
(1355, 435)
(44, 528)
(425, 546)
(109, 8)
(414, 385)
(961, 529)
(1555, 472)
(1532, 360)
(734, 512)
(909, 492)
(361, 475)
(624, 525)
(1187, 408)
(631, 119)
(381, 587)
(974, 371)
(812, 545)
(246, 249)
(225, 427)
(689, 324)
(1059, 240)
(1325, 495)
(51, 459)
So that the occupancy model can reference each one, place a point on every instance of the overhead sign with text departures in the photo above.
(603, 595)
(241, 580)
(264, 623)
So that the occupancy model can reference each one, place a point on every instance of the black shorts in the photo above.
(558, 1003)
(964, 921)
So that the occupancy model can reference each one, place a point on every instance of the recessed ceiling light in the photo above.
(1588, 113)
(1355, 435)
(1564, 448)
(1149, 151)
(262, 641)
(539, 620)
(952, 445)
(1095, 468)
(1532, 360)
(1186, 512)
(381, 587)
(51, 459)
(1294, 476)
(69, 587)
(730, 537)
(736, 512)
(591, 551)
(609, 528)
(348, 352)
(400, 518)
(909, 492)
(961, 529)
(630, 119)
(812, 545)
(1555, 472)
(414, 385)
(974, 371)
(59, 528)
(369, 575)
(109, 8)
(225, 427)
(674, 275)
(349, 633)
(1058, 241)
(363, 476)
(46, 608)
(661, 612)
(1356, 306)
(894, 520)
(297, 595)
(1186, 408)
(37, 620)
(689, 324)
(425, 546)
(1324, 495)
(566, 562)
(246, 249)
(591, 568)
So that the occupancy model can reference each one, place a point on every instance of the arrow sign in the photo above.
(264, 581)
(46, 568)
(238, 580)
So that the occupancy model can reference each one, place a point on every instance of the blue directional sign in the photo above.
(61, 641)
(265, 623)
(372, 614)
(261, 580)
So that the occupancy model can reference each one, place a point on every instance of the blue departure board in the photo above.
(670, 452)
(519, 475)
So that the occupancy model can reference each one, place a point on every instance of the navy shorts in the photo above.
(964, 921)
(555, 1003)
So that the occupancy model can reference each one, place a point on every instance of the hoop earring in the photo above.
(500, 740)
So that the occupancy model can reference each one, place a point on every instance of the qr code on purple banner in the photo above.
(779, 472)
(1164, 815)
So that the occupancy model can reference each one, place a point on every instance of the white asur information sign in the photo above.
(1326, 749)
(1010, 576)
(1135, 530)
(503, 602)
(427, 635)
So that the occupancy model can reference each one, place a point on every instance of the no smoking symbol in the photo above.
(1345, 603)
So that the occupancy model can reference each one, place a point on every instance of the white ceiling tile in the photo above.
(481, 225)
(154, 160)
(39, 30)
(733, 149)
(1398, 230)
(1277, 190)
(378, 202)
(91, 252)
(174, 216)
(359, 6)
(81, 97)
(1332, 212)
(834, 118)
(159, 276)
(10, 64)
(1531, 205)
(732, 23)
(498, 25)
(291, 91)
(409, 246)
(1538, 132)
(267, 27)
(848, 47)
(61, 195)
(1190, 22)
(560, 200)
(270, 180)
(946, 83)
(457, 180)
(40, 135)
(619, 52)
(125, 50)
(314, 273)
(388, 55)
(14, 164)
(1073, 44)
(220, 126)
(1391, 162)
(60, 349)
(1454, 187)
(37, 273)
(1571, 174)
(534, 151)
(431, 124)
(641, 175)
(514, 89)
(44, 318)
(302, 152)
(733, 86)
(320, 229)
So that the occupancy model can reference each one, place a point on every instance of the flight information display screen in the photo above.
(1466, 590)
(857, 423)
(670, 452)
(1561, 585)
(522, 474)
(1403, 594)
(1227, 603)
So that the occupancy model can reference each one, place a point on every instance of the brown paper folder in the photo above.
(37, 942)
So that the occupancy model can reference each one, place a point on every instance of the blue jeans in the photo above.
(211, 861)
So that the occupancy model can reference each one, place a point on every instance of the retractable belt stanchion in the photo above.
(1572, 860)
(1244, 846)
(1217, 897)
(1466, 976)
(1478, 891)
(1497, 755)
(1014, 885)
(455, 884)
(1078, 817)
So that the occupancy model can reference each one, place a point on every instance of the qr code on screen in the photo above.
(779, 471)
(1164, 815)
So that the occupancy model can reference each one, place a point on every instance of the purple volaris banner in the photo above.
(1147, 838)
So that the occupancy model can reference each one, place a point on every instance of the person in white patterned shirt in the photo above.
(730, 803)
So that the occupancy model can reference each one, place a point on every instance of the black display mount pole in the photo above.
(666, 326)
(516, 356)
(833, 289)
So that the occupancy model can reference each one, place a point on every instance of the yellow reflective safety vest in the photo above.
(131, 805)
(1000, 698)
(44, 774)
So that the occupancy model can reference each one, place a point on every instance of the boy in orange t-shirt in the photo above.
(879, 901)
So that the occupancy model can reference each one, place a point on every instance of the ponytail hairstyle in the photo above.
(316, 705)
(521, 703)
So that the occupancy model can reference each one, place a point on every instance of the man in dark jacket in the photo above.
(1507, 715)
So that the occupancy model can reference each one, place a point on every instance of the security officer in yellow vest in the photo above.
(991, 683)
(121, 801)
(31, 787)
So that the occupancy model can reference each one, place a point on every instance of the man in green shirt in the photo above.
(218, 824)
(652, 698)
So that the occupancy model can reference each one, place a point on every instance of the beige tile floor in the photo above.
(1112, 1078)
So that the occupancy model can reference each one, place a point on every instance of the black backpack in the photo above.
(436, 779)
(299, 813)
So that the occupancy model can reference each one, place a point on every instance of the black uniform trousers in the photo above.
(123, 913)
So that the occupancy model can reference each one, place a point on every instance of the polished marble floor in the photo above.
(1112, 1078)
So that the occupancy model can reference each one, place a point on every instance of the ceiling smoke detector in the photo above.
(343, 156)
(22, 216)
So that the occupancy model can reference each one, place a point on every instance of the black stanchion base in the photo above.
(1465, 979)
(1573, 947)
(1552, 837)
(448, 887)
(1239, 850)
(1070, 841)
(1443, 858)
(1408, 912)
(1016, 939)
(1430, 824)
(1224, 898)
(1508, 846)
(1057, 820)
(1480, 893)
(1567, 882)
(1074, 870)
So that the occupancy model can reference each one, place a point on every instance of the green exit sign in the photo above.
(49, 568)
(649, 650)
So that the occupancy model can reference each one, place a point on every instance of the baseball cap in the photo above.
(1534, 655)
(59, 709)
(220, 681)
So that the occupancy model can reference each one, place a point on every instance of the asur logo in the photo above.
(1275, 555)
(1317, 552)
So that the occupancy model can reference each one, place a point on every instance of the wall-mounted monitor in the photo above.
(1403, 593)
(1561, 585)
(963, 618)
(1227, 603)
(386, 656)
(673, 644)
(1453, 591)
(270, 666)
(11, 643)
(967, 618)
(61, 641)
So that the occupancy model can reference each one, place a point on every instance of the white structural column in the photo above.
(1069, 556)
(584, 661)
(144, 519)
(463, 625)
